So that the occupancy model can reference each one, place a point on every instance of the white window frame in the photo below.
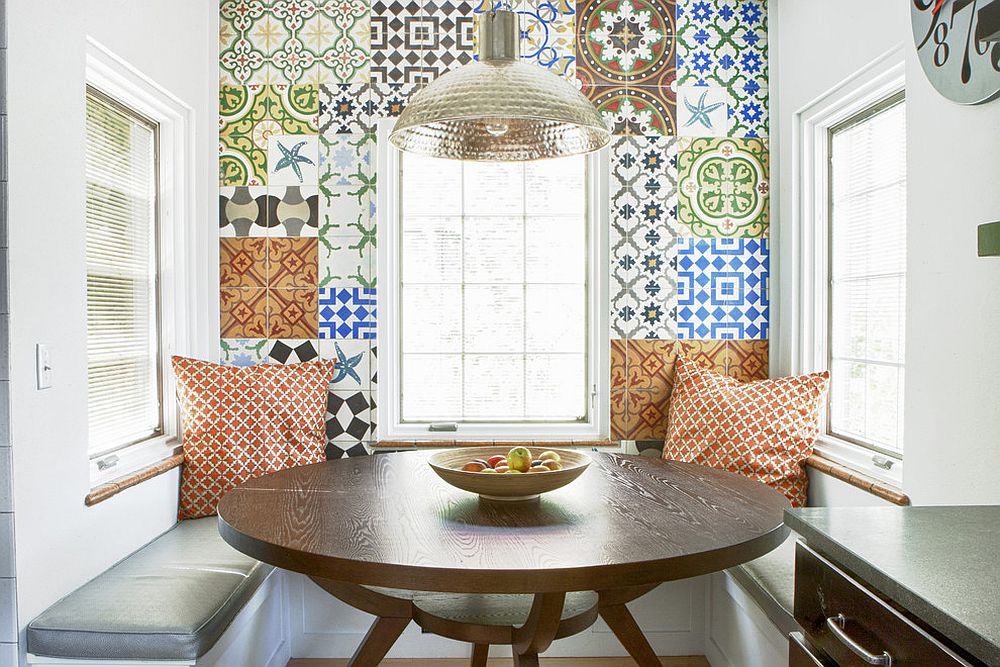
(808, 260)
(390, 424)
(177, 244)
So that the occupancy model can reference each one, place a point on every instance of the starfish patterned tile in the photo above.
(293, 160)
(352, 361)
(703, 111)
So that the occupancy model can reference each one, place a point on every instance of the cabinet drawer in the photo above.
(846, 621)
(802, 654)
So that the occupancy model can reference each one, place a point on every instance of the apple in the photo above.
(489, 470)
(549, 456)
(538, 469)
(552, 465)
(494, 461)
(501, 468)
(519, 459)
(474, 466)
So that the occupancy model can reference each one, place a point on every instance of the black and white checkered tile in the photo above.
(292, 351)
(414, 42)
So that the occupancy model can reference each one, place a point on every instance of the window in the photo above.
(124, 381)
(494, 275)
(867, 276)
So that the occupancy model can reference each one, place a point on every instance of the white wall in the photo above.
(60, 542)
(952, 418)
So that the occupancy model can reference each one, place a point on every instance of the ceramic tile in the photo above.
(293, 159)
(243, 262)
(387, 100)
(292, 313)
(649, 381)
(293, 41)
(347, 312)
(627, 42)
(293, 210)
(243, 211)
(634, 111)
(619, 407)
(346, 161)
(747, 360)
(348, 242)
(374, 366)
(292, 351)
(650, 448)
(343, 109)
(712, 354)
(548, 35)
(643, 237)
(243, 312)
(243, 351)
(348, 417)
(335, 451)
(722, 43)
(703, 111)
(249, 116)
(353, 362)
(723, 187)
(722, 290)
(292, 262)
(415, 42)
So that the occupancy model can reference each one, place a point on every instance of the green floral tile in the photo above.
(243, 351)
(723, 187)
(346, 162)
(294, 41)
(249, 116)
(347, 241)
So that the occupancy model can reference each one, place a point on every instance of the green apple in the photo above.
(519, 459)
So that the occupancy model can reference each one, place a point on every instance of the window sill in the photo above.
(876, 487)
(135, 464)
(101, 493)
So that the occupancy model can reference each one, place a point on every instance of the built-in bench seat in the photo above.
(170, 601)
(770, 582)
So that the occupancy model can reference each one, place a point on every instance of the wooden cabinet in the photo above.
(845, 624)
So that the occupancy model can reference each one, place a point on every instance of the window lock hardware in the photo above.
(883, 462)
(107, 462)
(443, 426)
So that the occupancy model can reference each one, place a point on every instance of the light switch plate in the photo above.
(43, 362)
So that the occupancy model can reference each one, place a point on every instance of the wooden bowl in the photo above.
(526, 486)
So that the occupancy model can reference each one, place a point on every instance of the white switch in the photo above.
(43, 361)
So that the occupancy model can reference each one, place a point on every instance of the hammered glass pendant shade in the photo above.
(499, 108)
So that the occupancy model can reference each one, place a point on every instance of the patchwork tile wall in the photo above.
(683, 85)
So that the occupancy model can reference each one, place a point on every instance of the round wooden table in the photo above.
(628, 524)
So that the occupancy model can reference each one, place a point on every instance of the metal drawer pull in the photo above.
(836, 624)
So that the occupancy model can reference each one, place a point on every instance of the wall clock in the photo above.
(960, 65)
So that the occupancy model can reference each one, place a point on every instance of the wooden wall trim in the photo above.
(104, 491)
(873, 486)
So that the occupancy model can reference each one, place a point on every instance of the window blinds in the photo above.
(868, 277)
(123, 365)
(494, 321)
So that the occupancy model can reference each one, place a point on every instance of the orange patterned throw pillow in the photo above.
(243, 422)
(763, 429)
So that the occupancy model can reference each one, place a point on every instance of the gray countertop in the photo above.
(940, 563)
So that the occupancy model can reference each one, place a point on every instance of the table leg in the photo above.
(525, 659)
(539, 630)
(620, 620)
(380, 638)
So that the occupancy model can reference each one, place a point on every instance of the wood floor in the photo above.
(690, 661)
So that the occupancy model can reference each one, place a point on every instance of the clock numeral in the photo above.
(942, 50)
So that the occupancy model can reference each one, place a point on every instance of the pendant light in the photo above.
(499, 108)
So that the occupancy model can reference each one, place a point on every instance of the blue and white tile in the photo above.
(722, 289)
(347, 313)
(293, 159)
(387, 100)
(243, 351)
(352, 361)
(346, 160)
(703, 111)
(343, 109)
(292, 351)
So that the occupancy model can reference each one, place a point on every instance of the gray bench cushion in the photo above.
(172, 599)
(770, 581)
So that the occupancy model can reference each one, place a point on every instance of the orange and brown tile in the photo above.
(709, 353)
(619, 417)
(747, 359)
(243, 262)
(293, 263)
(243, 312)
(650, 379)
(292, 313)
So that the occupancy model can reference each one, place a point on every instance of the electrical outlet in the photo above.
(43, 363)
